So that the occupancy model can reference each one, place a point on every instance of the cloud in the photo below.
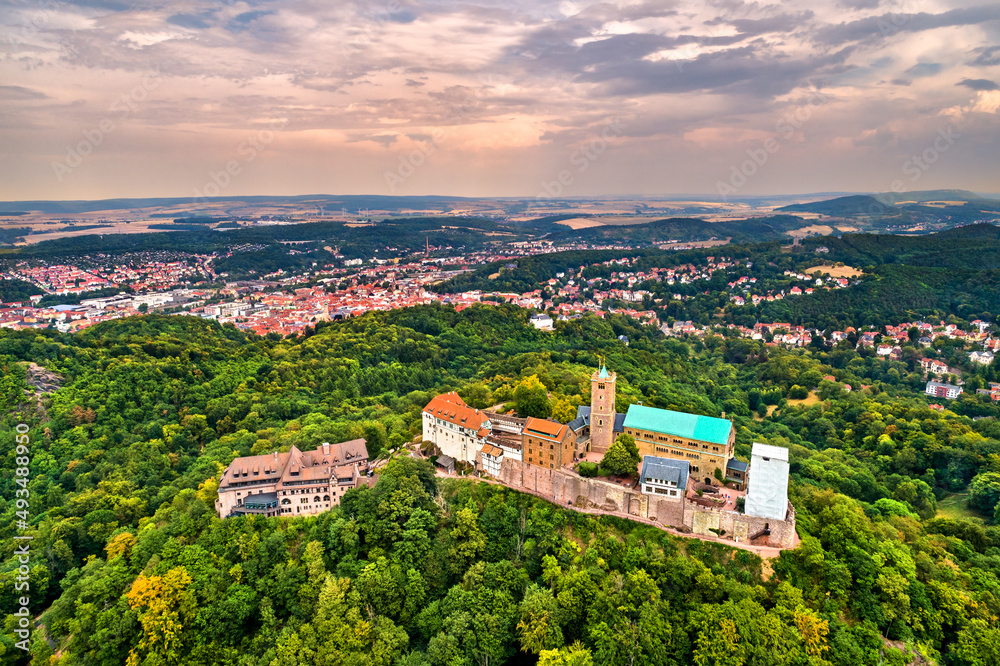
(924, 69)
(515, 86)
(979, 84)
(987, 56)
(20, 93)
(192, 21)
(874, 28)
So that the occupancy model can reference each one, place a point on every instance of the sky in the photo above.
(111, 98)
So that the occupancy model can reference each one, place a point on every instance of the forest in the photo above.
(131, 565)
(955, 273)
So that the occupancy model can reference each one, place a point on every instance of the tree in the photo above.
(622, 457)
(563, 411)
(984, 492)
(531, 398)
(538, 628)
(166, 605)
(468, 541)
(574, 655)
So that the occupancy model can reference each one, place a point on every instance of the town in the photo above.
(288, 304)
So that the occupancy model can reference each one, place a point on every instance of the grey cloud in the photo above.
(242, 21)
(192, 21)
(901, 82)
(979, 84)
(384, 139)
(783, 22)
(879, 27)
(404, 16)
(744, 70)
(987, 56)
(860, 4)
(20, 93)
(101, 4)
(924, 69)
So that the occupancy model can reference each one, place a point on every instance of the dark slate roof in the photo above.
(261, 497)
(620, 422)
(577, 424)
(445, 460)
(583, 416)
(737, 465)
(666, 469)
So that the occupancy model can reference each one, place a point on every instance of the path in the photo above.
(765, 552)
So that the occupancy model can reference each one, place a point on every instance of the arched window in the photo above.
(326, 498)
(316, 499)
(286, 501)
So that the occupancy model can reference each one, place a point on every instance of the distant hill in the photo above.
(351, 202)
(907, 211)
(683, 229)
(924, 196)
(972, 247)
(851, 206)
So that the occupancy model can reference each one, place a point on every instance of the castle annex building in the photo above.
(705, 442)
(293, 483)
(457, 430)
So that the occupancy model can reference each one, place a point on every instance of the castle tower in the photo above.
(602, 409)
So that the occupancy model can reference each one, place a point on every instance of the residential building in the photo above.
(491, 459)
(940, 390)
(736, 470)
(542, 321)
(767, 489)
(292, 483)
(705, 442)
(982, 357)
(663, 476)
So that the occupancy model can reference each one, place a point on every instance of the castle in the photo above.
(293, 483)
(689, 479)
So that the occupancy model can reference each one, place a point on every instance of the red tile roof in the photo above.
(547, 429)
(451, 408)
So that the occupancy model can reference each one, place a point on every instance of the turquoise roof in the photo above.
(691, 426)
(603, 374)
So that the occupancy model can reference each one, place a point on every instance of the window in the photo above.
(600, 387)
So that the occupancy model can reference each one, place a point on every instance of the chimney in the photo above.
(326, 448)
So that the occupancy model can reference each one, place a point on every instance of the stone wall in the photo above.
(568, 488)
(740, 527)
